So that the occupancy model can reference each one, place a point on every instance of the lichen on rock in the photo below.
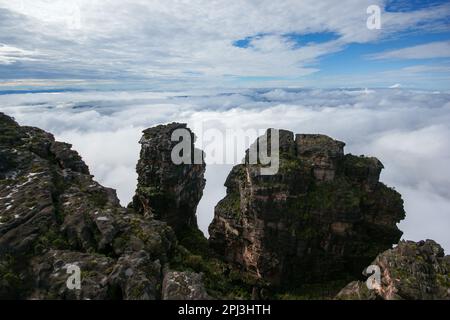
(185, 285)
(410, 271)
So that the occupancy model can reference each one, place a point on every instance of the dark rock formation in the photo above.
(411, 271)
(323, 216)
(167, 191)
(53, 215)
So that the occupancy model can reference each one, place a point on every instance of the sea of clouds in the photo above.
(408, 130)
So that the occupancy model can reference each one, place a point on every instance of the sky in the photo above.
(161, 44)
(96, 73)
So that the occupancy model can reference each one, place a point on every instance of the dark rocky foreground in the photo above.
(303, 233)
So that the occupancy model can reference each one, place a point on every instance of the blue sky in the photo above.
(166, 45)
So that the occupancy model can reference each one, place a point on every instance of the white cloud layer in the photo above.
(9, 54)
(439, 49)
(409, 131)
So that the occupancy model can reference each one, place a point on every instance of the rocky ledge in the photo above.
(302, 233)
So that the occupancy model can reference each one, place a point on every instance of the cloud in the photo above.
(433, 75)
(407, 130)
(187, 41)
(9, 54)
(440, 49)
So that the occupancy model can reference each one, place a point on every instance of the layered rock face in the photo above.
(323, 216)
(411, 271)
(168, 191)
(53, 215)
